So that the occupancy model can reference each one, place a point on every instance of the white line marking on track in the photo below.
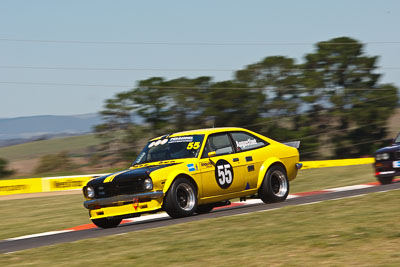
(150, 217)
(348, 188)
(247, 213)
(120, 234)
(310, 203)
(388, 190)
(38, 235)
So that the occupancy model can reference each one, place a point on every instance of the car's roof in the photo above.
(204, 131)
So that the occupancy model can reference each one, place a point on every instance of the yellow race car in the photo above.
(193, 172)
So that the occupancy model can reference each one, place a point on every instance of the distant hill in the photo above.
(36, 127)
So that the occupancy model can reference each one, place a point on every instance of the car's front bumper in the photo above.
(385, 169)
(121, 199)
(124, 205)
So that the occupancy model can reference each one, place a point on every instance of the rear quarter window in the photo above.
(244, 141)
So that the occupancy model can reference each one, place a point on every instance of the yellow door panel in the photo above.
(222, 175)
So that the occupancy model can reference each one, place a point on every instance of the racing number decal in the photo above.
(223, 173)
(193, 145)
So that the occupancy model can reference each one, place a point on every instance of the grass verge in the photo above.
(75, 144)
(332, 233)
(36, 215)
(324, 178)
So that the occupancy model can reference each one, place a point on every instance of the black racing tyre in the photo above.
(385, 180)
(181, 199)
(106, 222)
(275, 187)
(201, 209)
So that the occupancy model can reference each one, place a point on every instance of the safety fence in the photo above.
(49, 184)
(336, 163)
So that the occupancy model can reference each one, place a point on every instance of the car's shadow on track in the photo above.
(213, 214)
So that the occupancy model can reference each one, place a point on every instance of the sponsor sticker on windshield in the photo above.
(181, 139)
(158, 142)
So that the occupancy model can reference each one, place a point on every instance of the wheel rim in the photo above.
(279, 183)
(185, 196)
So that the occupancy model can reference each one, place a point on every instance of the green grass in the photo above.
(30, 216)
(332, 233)
(75, 145)
(36, 215)
(324, 178)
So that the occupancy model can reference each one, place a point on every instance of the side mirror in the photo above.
(212, 154)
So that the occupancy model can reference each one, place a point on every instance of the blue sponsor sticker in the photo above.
(191, 167)
(247, 186)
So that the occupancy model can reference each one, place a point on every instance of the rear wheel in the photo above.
(275, 187)
(107, 222)
(181, 199)
(385, 180)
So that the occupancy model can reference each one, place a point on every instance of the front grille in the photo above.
(103, 191)
(122, 188)
(397, 154)
(128, 188)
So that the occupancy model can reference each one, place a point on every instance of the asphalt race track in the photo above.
(7, 246)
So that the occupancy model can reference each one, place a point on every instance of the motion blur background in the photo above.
(84, 84)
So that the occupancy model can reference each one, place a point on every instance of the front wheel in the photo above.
(275, 187)
(181, 199)
(107, 222)
(385, 180)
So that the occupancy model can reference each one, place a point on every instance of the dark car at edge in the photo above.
(387, 162)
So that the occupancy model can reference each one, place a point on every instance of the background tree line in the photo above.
(332, 102)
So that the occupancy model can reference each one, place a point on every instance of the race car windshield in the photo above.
(171, 148)
(397, 139)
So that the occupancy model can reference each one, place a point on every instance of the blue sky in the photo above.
(221, 21)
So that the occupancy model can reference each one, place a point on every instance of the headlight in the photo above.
(385, 156)
(90, 192)
(148, 184)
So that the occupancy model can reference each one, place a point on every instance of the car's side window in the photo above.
(220, 143)
(244, 141)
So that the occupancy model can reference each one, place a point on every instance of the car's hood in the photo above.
(132, 174)
(390, 148)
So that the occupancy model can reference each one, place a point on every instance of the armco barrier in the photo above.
(35, 185)
(65, 183)
(20, 186)
(336, 163)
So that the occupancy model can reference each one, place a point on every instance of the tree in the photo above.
(4, 172)
(228, 104)
(340, 77)
(189, 102)
(153, 103)
(279, 78)
(333, 98)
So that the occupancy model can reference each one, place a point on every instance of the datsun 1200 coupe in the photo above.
(193, 172)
